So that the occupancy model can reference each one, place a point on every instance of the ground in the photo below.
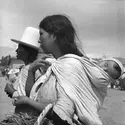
(113, 109)
(111, 113)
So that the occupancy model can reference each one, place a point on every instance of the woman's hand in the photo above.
(39, 106)
(21, 100)
(9, 90)
(39, 63)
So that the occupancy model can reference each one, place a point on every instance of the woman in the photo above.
(72, 84)
(64, 31)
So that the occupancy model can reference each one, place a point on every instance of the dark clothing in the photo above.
(122, 84)
(56, 120)
(26, 109)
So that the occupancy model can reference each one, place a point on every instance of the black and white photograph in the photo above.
(62, 62)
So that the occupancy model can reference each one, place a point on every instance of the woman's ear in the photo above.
(53, 37)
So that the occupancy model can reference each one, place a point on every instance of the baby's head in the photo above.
(112, 66)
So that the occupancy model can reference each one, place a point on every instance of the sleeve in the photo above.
(19, 84)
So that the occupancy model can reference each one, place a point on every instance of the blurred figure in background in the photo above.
(121, 84)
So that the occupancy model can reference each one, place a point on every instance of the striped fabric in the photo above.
(20, 83)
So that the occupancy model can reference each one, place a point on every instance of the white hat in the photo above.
(29, 38)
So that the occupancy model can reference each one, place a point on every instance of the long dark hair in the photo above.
(61, 27)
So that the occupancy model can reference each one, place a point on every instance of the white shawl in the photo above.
(84, 82)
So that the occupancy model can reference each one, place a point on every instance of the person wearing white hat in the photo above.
(28, 48)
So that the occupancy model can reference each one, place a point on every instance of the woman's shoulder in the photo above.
(73, 59)
(68, 62)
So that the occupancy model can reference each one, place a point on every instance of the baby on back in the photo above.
(112, 66)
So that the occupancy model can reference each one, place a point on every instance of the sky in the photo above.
(99, 23)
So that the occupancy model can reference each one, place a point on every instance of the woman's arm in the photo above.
(29, 82)
(39, 106)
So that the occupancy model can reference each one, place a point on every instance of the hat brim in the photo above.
(21, 42)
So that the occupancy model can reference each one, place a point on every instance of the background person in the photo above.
(121, 84)
(27, 51)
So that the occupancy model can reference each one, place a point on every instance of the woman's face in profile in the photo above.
(46, 41)
(21, 52)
